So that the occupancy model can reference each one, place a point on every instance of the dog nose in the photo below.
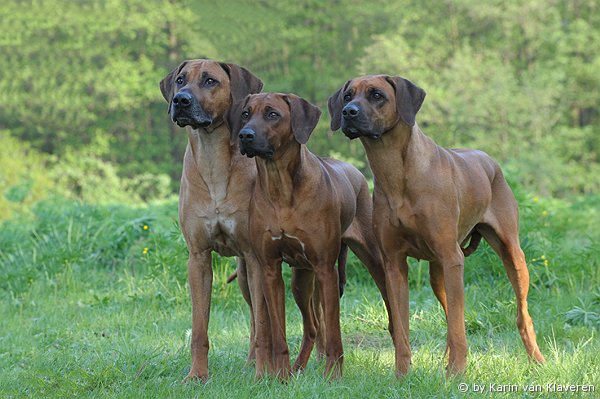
(182, 99)
(350, 111)
(247, 135)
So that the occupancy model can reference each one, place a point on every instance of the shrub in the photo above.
(24, 176)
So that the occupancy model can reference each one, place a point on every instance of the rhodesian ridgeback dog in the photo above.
(216, 184)
(428, 202)
(303, 210)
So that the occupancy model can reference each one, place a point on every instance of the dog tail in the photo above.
(342, 258)
(473, 243)
(232, 277)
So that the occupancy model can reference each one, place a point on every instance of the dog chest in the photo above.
(223, 235)
(220, 227)
(399, 226)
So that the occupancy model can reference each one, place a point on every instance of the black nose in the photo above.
(350, 111)
(247, 135)
(182, 99)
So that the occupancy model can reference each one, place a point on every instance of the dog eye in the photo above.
(377, 95)
(245, 115)
(272, 115)
(209, 82)
(347, 97)
(179, 80)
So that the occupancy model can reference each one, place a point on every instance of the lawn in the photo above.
(95, 304)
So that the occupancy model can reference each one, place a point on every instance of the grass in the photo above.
(87, 313)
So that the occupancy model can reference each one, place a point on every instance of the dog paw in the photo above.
(538, 357)
(193, 377)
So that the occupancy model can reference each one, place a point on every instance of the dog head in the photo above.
(269, 122)
(200, 92)
(369, 106)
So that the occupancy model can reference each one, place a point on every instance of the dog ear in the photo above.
(166, 85)
(233, 118)
(335, 105)
(409, 98)
(304, 117)
(242, 81)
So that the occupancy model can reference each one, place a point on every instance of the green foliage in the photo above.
(149, 186)
(88, 71)
(508, 78)
(89, 179)
(86, 177)
(581, 317)
(24, 179)
(516, 79)
(28, 176)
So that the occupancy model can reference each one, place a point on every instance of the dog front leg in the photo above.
(262, 345)
(243, 282)
(396, 278)
(274, 292)
(200, 277)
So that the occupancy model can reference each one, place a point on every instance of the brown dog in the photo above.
(216, 184)
(303, 210)
(428, 202)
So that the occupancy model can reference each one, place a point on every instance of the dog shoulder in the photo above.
(477, 157)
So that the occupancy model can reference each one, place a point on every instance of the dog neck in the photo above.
(213, 155)
(278, 176)
(391, 156)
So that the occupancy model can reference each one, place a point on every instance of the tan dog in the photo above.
(215, 186)
(303, 210)
(428, 202)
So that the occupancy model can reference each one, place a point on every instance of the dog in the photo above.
(428, 202)
(303, 210)
(216, 184)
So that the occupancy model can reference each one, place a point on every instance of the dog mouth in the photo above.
(195, 118)
(350, 131)
(353, 132)
(252, 152)
(193, 122)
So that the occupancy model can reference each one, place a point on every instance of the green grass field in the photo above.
(95, 305)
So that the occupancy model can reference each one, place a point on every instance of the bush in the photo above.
(28, 176)
(24, 176)
(88, 178)
(149, 187)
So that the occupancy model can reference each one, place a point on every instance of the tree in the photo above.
(86, 73)
(511, 78)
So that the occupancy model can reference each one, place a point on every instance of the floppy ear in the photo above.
(242, 81)
(304, 117)
(166, 85)
(233, 119)
(335, 105)
(409, 98)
